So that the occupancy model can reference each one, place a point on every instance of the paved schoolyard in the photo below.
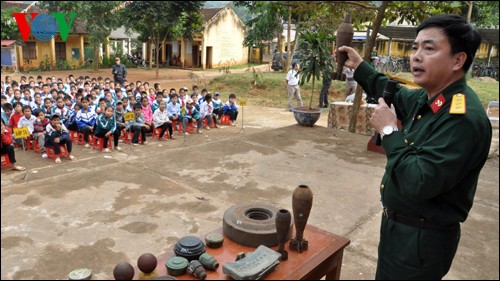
(101, 209)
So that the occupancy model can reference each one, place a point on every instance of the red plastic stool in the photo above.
(225, 120)
(52, 154)
(99, 143)
(81, 139)
(129, 135)
(5, 161)
(157, 131)
(28, 144)
(73, 135)
(189, 127)
(205, 123)
(36, 146)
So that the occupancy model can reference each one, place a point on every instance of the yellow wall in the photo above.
(403, 49)
(44, 49)
(225, 35)
(73, 41)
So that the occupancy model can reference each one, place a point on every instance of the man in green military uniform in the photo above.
(434, 160)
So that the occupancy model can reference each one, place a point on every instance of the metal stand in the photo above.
(242, 118)
(26, 167)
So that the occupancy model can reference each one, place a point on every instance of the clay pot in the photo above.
(283, 219)
(302, 199)
(305, 116)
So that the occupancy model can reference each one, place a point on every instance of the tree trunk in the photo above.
(371, 43)
(469, 11)
(288, 47)
(150, 56)
(157, 58)
(312, 92)
(295, 45)
(279, 39)
(96, 56)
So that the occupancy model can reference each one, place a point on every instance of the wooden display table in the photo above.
(323, 258)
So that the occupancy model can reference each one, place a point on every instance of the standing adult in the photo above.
(292, 82)
(434, 160)
(119, 71)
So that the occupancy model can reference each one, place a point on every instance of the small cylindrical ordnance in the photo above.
(345, 34)
(209, 262)
(196, 269)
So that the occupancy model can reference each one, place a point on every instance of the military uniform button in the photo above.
(381, 186)
(406, 141)
(419, 117)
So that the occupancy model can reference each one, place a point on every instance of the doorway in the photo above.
(208, 62)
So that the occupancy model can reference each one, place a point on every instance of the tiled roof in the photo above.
(209, 13)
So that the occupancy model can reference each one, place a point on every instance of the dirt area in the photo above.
(105, 208)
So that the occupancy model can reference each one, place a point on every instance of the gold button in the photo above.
(381, 186)
(412, 143)
(419, 117)
(406, 141)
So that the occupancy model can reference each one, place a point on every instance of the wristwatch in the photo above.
(387, 130)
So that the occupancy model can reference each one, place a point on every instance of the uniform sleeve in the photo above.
(440, 162)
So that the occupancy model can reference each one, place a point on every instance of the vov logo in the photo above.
(44, 27)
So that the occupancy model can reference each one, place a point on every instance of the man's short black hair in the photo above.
(462, 36)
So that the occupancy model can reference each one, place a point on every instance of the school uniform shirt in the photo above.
(51, 133)
(228, 106)
(160, 117)
(217, 103)
(48, 111)
(24, 122)
(104, 124)
(191, 113)
(137, 121)
(173, 109)
(35, 106)
(62, 112)
(206, 109)
(84, 119)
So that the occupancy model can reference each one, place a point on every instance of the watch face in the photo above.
(387, 130)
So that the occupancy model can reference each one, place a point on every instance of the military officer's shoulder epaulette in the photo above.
(458, 105)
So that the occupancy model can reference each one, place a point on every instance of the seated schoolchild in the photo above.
(160, 120)
(8, 148)
(39, 128)
(189, 115)
(206, 111)
(137, 125)
(231, 109)
(105, 127)
(57, 134)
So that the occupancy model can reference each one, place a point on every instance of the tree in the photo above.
(315, 56)
(9, 27)
(164, 20)
(483, 14)
(96, 15)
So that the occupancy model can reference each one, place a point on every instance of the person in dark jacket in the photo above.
(57, 134)
(119, 72)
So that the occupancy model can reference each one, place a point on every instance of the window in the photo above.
(29, 51)
(60, 51)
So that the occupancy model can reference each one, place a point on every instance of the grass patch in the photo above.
(271, 90)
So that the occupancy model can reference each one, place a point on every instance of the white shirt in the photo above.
(206, 109)
(290, 77)
(160, 117)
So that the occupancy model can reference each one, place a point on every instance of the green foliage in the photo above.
(315, 56)
(45, 64)
(9, 31)
(258, 77)
(64, 65)
(225, 67)
(163, 20)
(201, 81)
(484, 13)
(107, 61)
(96, 16)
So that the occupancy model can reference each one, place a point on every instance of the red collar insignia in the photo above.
(438, 103)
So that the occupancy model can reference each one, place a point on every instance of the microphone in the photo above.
(390, 90)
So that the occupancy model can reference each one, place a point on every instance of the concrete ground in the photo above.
(105, 208)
